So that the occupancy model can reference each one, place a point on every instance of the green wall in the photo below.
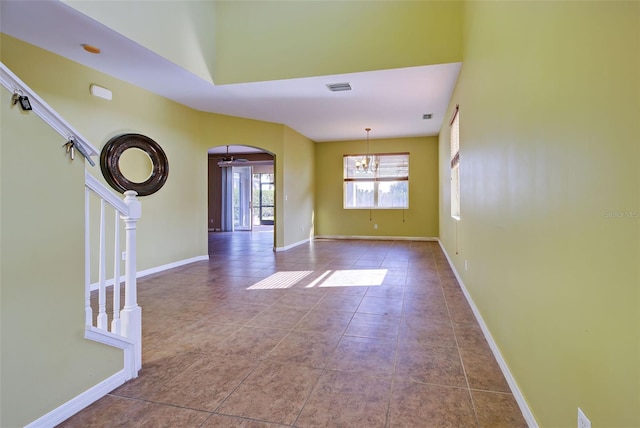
(298, 187)
(549, 97)
(246, 41)
(257, 40)
(44, 359)
(420, 220)
(179, 209)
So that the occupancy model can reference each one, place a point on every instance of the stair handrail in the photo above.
(129, 325)
(102, 191)
(16, 86)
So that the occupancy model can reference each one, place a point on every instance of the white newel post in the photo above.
(131, 315)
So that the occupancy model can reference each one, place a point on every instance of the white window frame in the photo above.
(454, 127)
(388, 170)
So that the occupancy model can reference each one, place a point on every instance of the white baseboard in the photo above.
(372, 238)
(156, 269)
(513, 385)
(290, 246)
(171, 265)
(378, 238)
(73, 406)
(93, 394)
(127, 345)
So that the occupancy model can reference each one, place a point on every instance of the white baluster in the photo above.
(115, 323)
(87, 259)
(102, 296)
(132, 314)
(128, 321)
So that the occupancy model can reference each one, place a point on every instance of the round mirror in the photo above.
(134, 162)
(135, 165)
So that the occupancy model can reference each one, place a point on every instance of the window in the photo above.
(376, 181)
(455, 164)
(263, 199)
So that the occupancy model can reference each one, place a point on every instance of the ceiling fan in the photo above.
(229, 159)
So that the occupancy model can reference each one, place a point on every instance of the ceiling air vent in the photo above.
(337, 87)
(427, 116)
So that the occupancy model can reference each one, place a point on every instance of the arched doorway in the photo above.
(241, 189)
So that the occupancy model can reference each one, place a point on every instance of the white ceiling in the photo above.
(391, 102)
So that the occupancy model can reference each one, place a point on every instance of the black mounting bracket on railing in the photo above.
(30, 101)
(71, 147)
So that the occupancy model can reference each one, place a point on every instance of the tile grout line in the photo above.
(324, 368)
(259, 361)
(395, 362)
(455, 336)
(449, 302)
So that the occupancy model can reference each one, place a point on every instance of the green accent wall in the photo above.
(258, 40)
(297, 192)
(419, 221)
(44, 359)
(246, 41)
(549, 97)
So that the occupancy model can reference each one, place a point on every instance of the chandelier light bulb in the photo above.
(368, 163)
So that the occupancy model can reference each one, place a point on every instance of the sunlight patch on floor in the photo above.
(329, 278)
(281, 280)
(353, 278)
(319, 279)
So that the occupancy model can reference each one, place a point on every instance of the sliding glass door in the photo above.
(241, 198)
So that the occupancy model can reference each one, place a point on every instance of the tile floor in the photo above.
(330, 334)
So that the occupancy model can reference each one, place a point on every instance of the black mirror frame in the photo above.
(110, 157)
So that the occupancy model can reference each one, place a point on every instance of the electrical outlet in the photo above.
(583, 421)
(124, 255)
(375, 226)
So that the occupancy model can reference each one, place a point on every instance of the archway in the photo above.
(241, 189)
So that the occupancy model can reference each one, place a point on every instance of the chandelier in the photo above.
(368, 163)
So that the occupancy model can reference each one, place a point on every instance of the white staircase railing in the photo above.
(125, 329)
(126, 319)
(45, 112)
